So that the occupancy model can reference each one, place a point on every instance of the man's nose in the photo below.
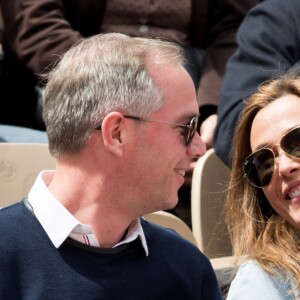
(197, 147)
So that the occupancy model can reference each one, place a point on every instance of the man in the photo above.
(121, 117)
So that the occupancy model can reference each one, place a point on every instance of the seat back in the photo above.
(169, 220)
(208, 193)
(19, 165)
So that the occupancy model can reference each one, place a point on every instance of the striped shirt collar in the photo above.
(59, 223)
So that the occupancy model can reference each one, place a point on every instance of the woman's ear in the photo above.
(112, 128)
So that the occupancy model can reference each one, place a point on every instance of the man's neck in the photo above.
(92, 206)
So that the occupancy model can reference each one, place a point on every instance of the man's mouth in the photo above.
(181, 172)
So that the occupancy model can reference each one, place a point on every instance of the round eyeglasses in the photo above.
(190, 129)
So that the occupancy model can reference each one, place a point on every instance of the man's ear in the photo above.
(112, 133)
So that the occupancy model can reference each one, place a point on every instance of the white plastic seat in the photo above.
(169, 220)
(208, 196)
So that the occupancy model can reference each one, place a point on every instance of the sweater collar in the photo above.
(59, 223)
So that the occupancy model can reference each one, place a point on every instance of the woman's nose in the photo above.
(287, 164)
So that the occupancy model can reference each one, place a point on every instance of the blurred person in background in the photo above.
(36, 33)
(268, 45)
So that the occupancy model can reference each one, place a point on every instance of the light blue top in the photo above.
(253, 283)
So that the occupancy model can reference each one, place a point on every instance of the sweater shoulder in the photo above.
(169, 239)
(12, 212)
(18, 225)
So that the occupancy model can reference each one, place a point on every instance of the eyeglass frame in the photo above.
(274, 156)
(192, 129)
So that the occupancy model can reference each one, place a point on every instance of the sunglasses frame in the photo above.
(192, 126)
(284, 148)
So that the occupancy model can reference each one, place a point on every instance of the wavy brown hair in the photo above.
(257, 231)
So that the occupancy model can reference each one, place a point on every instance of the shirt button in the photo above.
(144, 28)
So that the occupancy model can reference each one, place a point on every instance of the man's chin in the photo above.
(171, 202)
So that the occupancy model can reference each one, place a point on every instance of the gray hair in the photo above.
(101, 74)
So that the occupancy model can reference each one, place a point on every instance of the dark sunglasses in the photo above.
(189, 129)
(259, 165)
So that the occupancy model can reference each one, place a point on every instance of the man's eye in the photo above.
(182, 131)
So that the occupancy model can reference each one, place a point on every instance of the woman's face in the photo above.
(268, 127)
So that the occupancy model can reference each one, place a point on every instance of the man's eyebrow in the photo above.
(187, 117)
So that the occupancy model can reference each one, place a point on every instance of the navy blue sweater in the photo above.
(32, 268)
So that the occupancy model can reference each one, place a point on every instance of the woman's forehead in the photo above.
(274, 120)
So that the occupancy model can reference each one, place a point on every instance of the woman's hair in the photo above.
(257, 231)
(101, 74)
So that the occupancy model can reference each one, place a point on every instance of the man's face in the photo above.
(163, 157)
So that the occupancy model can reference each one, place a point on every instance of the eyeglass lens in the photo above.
(259, 166)
(290, 143)
(192, 130)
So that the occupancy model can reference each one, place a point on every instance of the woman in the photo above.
(263, 205)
